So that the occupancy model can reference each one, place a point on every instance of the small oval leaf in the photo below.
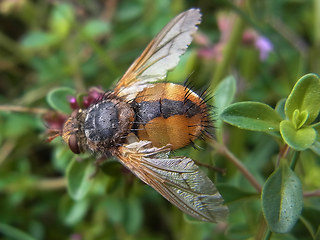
(58, 99)
(133, 215)
(305, 96)
(253, 116)
(72, 212)
(78, 176)
(299, 139)
(95, 28)
(280, 108)
(282, 200)
(61, 19)
(38, 40)
(224, 94)
(115, 209)
(315, 148)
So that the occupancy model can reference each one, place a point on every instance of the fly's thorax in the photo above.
(107, 124)
(168, 113)
(99, 128)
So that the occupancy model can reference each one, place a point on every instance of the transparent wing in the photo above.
(162, 54)
(179, 180)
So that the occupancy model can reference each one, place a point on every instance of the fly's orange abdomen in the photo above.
(168, 113)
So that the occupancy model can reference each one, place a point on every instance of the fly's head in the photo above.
(72, 132)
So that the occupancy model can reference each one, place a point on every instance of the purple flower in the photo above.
(73, 102)
(264, 46)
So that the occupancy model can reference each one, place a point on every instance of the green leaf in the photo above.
(95, 28)
(282, 200)
(38, 40)
(133, 215)
(129, 11)
(305, 97)
(72, 212)
(310, 219)
(317, 236)
(111, 167)
(58, 99)
(115, 209)
(299, 118)
(61, 20)
(18, 124)
(252, 116)
(316, 127)
(315, 148)
(78, 176)
(61, 156)
(224, 94)
(298, 139)
(280, 108)
(13, 233)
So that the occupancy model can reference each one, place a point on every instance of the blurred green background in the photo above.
(265, 45)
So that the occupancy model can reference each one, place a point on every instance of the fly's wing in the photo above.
(179, 180)
(161, 55)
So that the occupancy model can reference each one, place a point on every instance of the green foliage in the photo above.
(66, 47)
(72, 212)
(78, 178)
(282, 197)
(252, 116)
(301, 108)
(61, 20)
(299, 139)
(293, 120)
(223, 96)
(282, 200)
(303, 104)
(38, 40)
(95, 28)
(58, 99)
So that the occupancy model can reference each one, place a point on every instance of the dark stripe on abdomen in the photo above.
(148, 110)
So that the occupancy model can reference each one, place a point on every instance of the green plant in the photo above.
(294, 125)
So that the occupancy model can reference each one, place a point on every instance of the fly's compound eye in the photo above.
(73, 144)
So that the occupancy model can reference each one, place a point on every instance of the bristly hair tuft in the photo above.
(208, 112)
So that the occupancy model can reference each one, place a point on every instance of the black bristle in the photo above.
(193, 145)
(187, 82)
(137, 129)
(187, 94)
(192, 135)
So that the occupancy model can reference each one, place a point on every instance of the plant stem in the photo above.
(51, 184)
(282, 154)
(316, 23)
(294, 160)
(9, 108)
(315, 193)
(221, 170)
(229, 155)
(6, 148)
(268, 235)
(229, 52)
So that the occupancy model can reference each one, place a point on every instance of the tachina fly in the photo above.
(142, 120)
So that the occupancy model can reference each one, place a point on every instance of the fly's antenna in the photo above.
(53, 133)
